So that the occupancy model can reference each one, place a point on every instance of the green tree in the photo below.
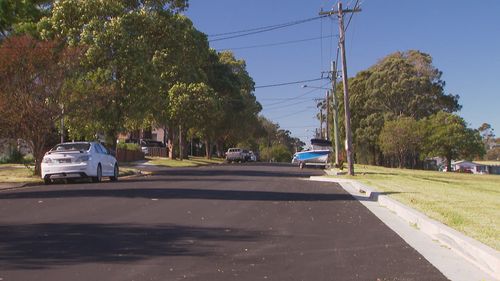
(117, 75)
(276, 153)
(21, 16)
(447, 136)
(401, 138)
(273, 141)
(229, 78)
(488, 137)
(403, 84)
(194, 106)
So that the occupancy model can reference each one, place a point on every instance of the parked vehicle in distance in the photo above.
(145, 144)
(236, 155)
(246, 155)
(72, 160)
(252, 156)
(317, 156)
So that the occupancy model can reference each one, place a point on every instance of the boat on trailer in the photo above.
(318, 155)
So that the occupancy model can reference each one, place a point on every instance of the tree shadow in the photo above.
(178, 193)
(37, 246)
(241, 171)
(379, 173)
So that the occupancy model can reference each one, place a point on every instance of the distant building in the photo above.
(475, 168)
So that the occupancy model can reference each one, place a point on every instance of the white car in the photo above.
(72, 160)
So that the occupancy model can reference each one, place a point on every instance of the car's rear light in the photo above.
(82, 159)
(46, 160)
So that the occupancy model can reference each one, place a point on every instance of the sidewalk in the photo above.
(468, 260)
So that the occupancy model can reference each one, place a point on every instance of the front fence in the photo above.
(124, 155)
(157, 152)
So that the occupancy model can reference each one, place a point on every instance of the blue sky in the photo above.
(463, 37)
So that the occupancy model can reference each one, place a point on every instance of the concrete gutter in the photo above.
(477, 253)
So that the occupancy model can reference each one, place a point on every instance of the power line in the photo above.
(287, 106)
(259, 29)
(288, 83)
(300, 127)
(352, 14)
(283, 99)
(285, 24)
(277, 44)
(288, 115)
(299, 96)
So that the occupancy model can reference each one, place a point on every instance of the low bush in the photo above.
(128, 146)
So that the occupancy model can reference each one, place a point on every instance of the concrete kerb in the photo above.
(477, 253)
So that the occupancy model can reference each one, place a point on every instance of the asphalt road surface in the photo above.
(227, 222)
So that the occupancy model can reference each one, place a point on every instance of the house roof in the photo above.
(466, 162)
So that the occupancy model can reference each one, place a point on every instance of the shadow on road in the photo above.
(38, 246)
(180, 193)
(242, 170)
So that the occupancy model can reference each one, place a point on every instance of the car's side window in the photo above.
(103, 149)
(98, 148)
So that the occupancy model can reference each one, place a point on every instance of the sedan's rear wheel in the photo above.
(115, 174)
(98, 177)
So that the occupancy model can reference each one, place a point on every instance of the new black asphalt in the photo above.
(226, 222)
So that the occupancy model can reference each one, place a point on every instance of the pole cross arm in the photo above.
(334, 12)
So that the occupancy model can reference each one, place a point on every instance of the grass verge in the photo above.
(492, 163)
(14, 173)
(191, 162)
(127, 171)
(466, 202)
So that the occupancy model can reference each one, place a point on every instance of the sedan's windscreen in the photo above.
(71, 147)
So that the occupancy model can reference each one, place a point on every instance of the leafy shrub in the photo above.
(128, 146)
(15, 157)
(276, 153)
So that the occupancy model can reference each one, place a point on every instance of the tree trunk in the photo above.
(170, 142)
(181, 152)
(219, 145)
(38, 152)
(110, 139)
(448, 163)
(208, 149)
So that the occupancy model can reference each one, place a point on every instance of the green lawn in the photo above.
(13, 173)
(191, 162)
(492, 163)
(466, 202)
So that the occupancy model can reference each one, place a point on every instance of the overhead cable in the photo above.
(288, 83)
(257, 30)
(276, 44)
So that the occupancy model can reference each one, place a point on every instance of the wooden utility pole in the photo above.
(327, 129)
(321, 123)
(335, 114)
(349, 151)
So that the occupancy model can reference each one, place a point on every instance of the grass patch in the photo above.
(127, 171)
(12, 173)
(191, 162)
(466, 202)
(492, 163)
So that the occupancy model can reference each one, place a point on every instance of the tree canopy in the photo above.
(403, 84)
(32, 75)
